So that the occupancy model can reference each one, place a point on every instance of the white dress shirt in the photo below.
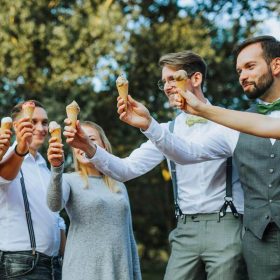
(201, 186)
(218, 142)
(14, 235)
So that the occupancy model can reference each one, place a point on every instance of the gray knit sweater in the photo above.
(100, 243)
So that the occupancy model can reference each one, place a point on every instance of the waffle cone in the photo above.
(183, 86)
(123, 92)
(57, 134)
(72, 115)
(4, 126)
(28, 112)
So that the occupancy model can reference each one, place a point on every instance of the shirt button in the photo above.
(270, 185)
(272, 155)
(271, 170)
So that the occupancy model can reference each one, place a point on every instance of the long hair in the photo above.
(81, 168)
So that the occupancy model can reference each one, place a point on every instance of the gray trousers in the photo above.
(204, 248)
(263, 256)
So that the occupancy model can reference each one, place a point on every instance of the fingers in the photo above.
(120, 102)
(67, 122)
(55, 152)
(121, 109)
(122, 116)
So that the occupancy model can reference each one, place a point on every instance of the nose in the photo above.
(242, 77)
(39, 126)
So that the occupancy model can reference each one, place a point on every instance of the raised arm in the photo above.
(58, 190)
(10, 165)
(217, 144)
(139, 162)
(251, 123)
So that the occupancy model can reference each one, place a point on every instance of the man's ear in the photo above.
(275, 66)
(196, 79)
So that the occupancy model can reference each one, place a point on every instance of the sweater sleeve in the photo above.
(58, 190)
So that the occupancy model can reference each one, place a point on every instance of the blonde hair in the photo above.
(81, 168)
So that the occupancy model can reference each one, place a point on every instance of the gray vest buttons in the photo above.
(267, 217)
(270, 200)
(272, 155)
(271, 170)
(270, 185)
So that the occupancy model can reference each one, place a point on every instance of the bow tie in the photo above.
(266, 108)
(195, 119)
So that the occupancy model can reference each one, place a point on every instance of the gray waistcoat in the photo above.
(258, 163)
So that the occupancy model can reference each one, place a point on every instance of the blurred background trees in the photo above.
(57, 51)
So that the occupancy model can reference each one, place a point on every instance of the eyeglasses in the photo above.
(171, 81)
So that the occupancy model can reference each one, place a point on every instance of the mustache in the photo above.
(246, 83)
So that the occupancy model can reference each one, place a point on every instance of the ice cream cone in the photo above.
(72, 111)
(122, 86)
(28, 109)
(6, 123)
(55, 131)
(181, 77)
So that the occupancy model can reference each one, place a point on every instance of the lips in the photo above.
(245, 85)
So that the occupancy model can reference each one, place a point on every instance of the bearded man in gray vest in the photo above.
(257, 159)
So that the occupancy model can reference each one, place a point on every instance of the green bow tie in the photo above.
(266, 108)
(195, 119)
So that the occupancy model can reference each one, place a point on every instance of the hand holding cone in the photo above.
(28, 109)
(181, 77)
(122, 86)
(55, 131)
(72, 111)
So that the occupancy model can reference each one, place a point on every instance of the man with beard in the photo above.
(257, 159)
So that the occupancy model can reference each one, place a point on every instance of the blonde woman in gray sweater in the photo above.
(100, 243)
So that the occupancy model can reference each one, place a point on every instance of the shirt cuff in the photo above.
(4, 181)
(154, 132)
(100, 156)
(57, 169)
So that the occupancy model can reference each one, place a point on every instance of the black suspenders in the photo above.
(228, 197)
(28, 215)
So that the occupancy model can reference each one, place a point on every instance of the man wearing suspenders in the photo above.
(30, 233)
(206, 244)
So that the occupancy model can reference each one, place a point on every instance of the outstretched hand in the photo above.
(24, 134)
(77, 138)
(192, 105)
(136, 114)
(55, 152)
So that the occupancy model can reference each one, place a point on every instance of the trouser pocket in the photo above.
(16, 265)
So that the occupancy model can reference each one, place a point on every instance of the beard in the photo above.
(261, 86)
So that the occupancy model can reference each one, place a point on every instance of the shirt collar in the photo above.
(263, 102)
(38, 159)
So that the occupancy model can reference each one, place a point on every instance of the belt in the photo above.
(206, 217)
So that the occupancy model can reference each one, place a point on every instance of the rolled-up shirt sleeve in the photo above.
(219, 142)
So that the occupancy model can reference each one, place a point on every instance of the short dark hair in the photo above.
(269, 44)
(18, 108)
(185, 60)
